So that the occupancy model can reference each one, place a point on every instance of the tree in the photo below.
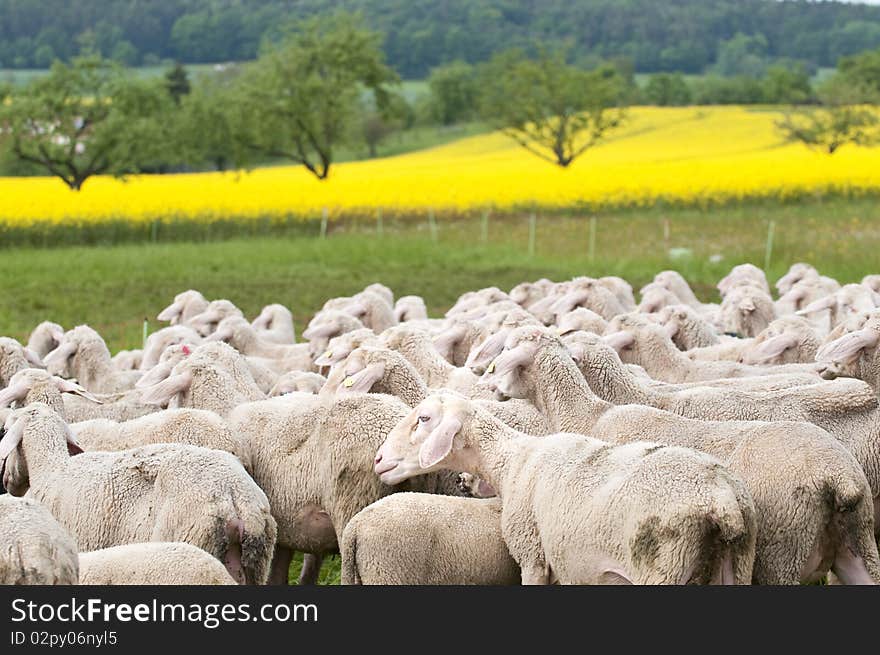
(454, 93)
(177, 82)
(789, 86)
(553, 110)
(84, 119)
(743, 55)
(668, 89)
(843, 118)
(301, 98)
(378, 124)
(862, 72)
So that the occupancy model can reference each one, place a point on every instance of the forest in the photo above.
(726, 37)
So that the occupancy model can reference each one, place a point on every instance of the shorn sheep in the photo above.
(159, 563)
(35, 548)
(577, 510)
(165, 492)
(426, 539)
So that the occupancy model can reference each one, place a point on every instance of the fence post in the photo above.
(533, 227)
(379, 226)
(146, 328)
(768, 251)
(432, 224)
(592, 245)
(324, 213)
(666, 232)
(154, 231)
(484, 226)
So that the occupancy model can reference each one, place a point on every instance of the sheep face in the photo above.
(428, 439)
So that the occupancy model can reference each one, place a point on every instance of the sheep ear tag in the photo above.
(347, 382)
(439, 443)
(491, 368)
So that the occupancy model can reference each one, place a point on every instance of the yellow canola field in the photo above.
(684, 156)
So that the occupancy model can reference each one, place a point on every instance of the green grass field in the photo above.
(114, 287)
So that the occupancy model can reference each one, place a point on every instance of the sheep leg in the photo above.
(232, 558)
(310, 569)
(280, 565)
(535, 575)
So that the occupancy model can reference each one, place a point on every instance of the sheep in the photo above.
(163, 492)
(847, 410)
(745, 311)
(655, 297)
(580, 319)
(338, 348)
(642, 342)
(327, 325)
(416, 345)
(275, 324)
(796, 273)
(76, 404)
(426, 539)
(590, 293)
(674, 281)
(35, 548)
(214, 377)
(195, 427)
(577, 510)
(239, 334)
(743, 274)
(371, 309)
(379, 370)
(312, 458)
(382, 291)
(774, 460)
(297, 382)
(82, 354)
(14, 358)
(206, 321)
(527, 294)
(787, 340)
(457, 339)
(152, 563)
(854, 354)
(159, 341)
(410, 308)
(128, 360)
(621, 290)
(872, 282)
(476, 299)
(727, 349)
(686, 327)
(45, 338)
(186, 305)
(850, 300)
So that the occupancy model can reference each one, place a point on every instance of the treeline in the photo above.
(727, 37)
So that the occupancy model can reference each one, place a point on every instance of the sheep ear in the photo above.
(14, 394)
(848, 347)
(33, 358)
(619, 340)
(261, 322)
(569, 301)
(68, 386)
(73, 448)
(444, 343)
(14, 434)
(439, 443)
(823, 303)
(154, 376)
(162, 393)
(60, 354)
(356, 309)
(362, 381)
(771, 348)
(671, 329)
(489, 349)
(510, 360)
(321, 330)
(747, 306)
(577, 351)
(171, 312)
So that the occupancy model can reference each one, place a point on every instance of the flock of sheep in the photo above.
(558, 433)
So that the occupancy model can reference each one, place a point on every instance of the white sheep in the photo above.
(275, 324)
(745, 311)
(45, 338)
(128, 360)
(160, 340)
(774, 460)
(82, 354)
(152, 563)
(577, 510)
(186, 305)
(207, 320)
(35, 548)
(686, 327)
(426, 539)
(14, 358)
(743, 274)
(280, 358)
(297, 382)
(787, 340)
(410, 308)
(164, 492)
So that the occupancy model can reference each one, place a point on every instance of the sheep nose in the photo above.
(378, 458)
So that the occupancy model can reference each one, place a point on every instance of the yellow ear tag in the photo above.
(329, 353)
(347, 382)
(491, 368)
